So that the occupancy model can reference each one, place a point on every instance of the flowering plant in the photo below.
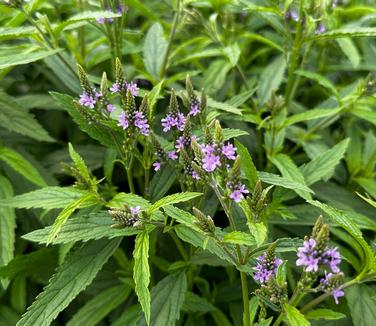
(166, 170)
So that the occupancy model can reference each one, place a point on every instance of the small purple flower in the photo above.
(328, 286)
(141, 123)
(237, 192)
(110, 108)
(115, 88)
(123, 120)
(264, 269)
(172, 155)
(195, 109)
(120, 9)
(210, 162)
(229, 151)
(157, 166)
(308, 256)
(101, 20)
(320, 29)
(195, 175)
(332, 258)
(173, 120)
(87, 100)
(135, 210)
(180, 143)
(132, 87)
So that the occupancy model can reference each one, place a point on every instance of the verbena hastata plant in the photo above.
(199, 203)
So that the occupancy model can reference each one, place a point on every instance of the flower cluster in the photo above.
(127, 217)
(119, 11)
(267, 266)
(315, 254)
(135, 118)
(124, 86)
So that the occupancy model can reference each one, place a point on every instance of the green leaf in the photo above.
(28, 56)
(141, 272)
(195, 303)
(100, 306)
(240, 238)
(47, 198)
(229, 133)
(277, 180)
(15, 117)
(294, 316)
(84, 16)
(121, 198)
(100, 132)
(324, 314)
(154, 49)
(167, 298)
(79, 163)
(72, 277)
(233, 53)
(346, 32)
(223, 106)
(362, 304)
(16, 32)
(323, 81)
(162, 182)
(65, 214)
(259, 231)
(311, 115)
(366, 114)
(290, 171)
(153, 97)
(7, 226)
(82, 228)
(342, 219)
(173, 199)
(18, 163)
(8, 317)
(323, 165)
(350, 50)
(270, 79)
(247, 164)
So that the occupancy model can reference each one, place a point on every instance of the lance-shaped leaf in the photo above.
(72, 277)
(173, 199)
(247, 164)
(294, 317)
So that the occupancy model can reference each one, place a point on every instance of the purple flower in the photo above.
(157, 166)
(210, 162)
(173, 120)
(265, 269)
(229, 151)
(123, 120)
(135, 210)
(132, 87)
(195, 175)
(320, 29)
(237, 192)
(332, 258)
(115, 88)
(141, 123)
(195, 109)
(101, 20)
(172, 155)
(308, 256)
(328, 285)
(110, 108)
(87, 100)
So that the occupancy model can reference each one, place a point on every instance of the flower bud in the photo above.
(205, 223)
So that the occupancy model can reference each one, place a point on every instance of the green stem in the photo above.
(170, 39)
(246, 319)
(294, 56)
(180, 246)
(130, 180)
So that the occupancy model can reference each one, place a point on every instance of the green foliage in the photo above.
(294, 317)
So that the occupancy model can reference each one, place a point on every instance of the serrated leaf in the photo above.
(323, 165)
(83, 228)
(294, 317)
(100, 132)
(229, 133)
(18, 163)
(346, 32)
(311, 115)
(154, 49)
(47, 198)
(25, 57)
(324, 314)
(167, 298)
(79, 163)
(223, 106)
(277, 180)
(100, 306)
(362, 304)
(247, 164)
(366, 114)
(121, 198)
(342, 219)
(195, 303)
(16, 118)
(173, 199)
(65, 214)
(7, 226)
(323, 81)
(16, 32)
(240, 238)
(350, 50)
(141, 272)
(259, 232)
(72, 277)
(270, 79)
